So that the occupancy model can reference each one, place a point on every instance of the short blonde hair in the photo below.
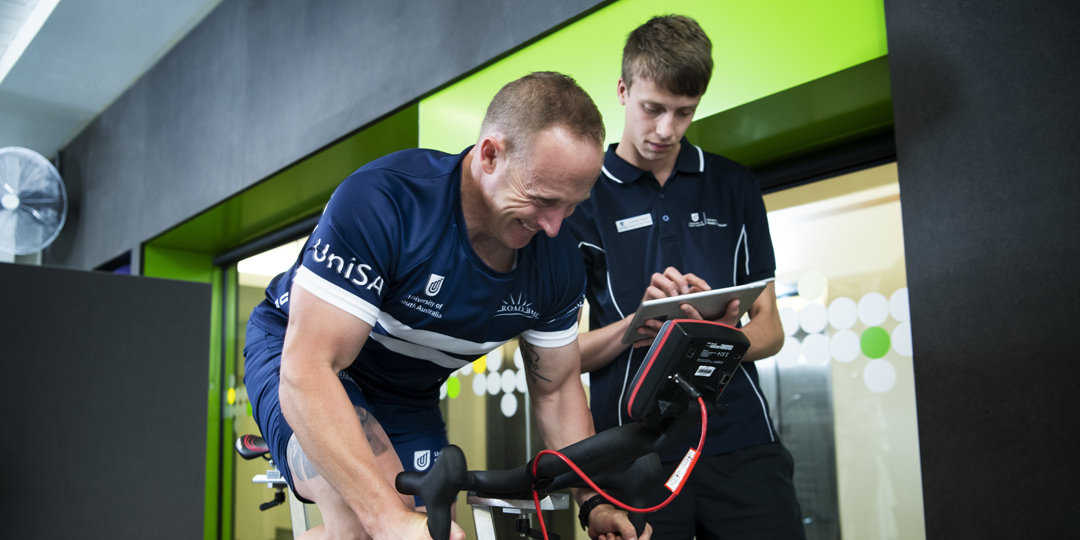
(538, 101)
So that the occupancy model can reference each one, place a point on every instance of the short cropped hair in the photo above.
(673, 52)
(538, 101)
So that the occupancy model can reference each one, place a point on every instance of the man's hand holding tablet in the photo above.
(698, 301)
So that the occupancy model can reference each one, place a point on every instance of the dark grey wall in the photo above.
(103, 405)
(985, 100)
(257, 86)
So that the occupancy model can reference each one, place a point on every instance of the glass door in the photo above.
(842, 387)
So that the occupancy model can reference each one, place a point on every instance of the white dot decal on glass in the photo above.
(843, 312)
(509, 405)
(585, 381)
(479, 384)
(509, 381)
(879, 376)
(789, 353)
(898, 305)
(873, 309)
(815, 349)
(844, 345)
(465, 370)
(901, 339)
(813, 318)
(518, 362)
(812, 285)
(442, 391)
(494, 384)
(494, 361)
(789, 319)
(522, 385)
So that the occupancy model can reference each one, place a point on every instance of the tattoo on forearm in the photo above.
(369, 423)
(298, 461)
(531, 359)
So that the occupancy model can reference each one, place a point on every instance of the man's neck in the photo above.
(661, 168)
(486, 246)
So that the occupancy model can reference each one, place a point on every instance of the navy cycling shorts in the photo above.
(418, 434)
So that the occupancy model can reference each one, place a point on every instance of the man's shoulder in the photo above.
(413, 162)
(414, 170)
(718, 164)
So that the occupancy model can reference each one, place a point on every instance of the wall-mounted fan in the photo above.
(33, 202)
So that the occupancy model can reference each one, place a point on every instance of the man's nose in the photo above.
(551, 222)
(665, 126)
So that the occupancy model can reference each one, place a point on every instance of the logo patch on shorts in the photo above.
(422, 460)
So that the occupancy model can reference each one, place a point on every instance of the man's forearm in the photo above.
(599, 347)
(563, 419)
(327, 426)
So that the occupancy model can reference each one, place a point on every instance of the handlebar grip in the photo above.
(638, 521)
(438, 487)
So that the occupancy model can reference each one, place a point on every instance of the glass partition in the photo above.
(842, 388)
(250, 523)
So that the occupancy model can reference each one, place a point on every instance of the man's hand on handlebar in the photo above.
(609, 523)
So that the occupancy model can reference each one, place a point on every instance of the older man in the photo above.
(405, 280)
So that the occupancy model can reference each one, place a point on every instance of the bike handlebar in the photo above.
(622, 458)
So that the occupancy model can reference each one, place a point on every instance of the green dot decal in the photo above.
(875, 342)
(453, 387)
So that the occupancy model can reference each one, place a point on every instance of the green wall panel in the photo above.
(834, 109)
(759, 48)
(176, 263)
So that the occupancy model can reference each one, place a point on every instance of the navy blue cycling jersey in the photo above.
(391, 249)
(707, 219)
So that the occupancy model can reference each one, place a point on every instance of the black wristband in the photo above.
(587, 508)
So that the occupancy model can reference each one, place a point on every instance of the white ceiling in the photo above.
(86, 54)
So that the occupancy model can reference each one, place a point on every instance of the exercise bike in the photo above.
(253, 446)
(689, 361)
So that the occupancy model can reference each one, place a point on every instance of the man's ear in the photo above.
(492, 148)
(623, 91)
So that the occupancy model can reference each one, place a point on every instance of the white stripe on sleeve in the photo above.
(551, 340)
(337, 296)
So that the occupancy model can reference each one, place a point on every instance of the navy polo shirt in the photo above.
(392, 249)
(708, 219)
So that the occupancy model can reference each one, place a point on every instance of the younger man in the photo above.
(666, 218)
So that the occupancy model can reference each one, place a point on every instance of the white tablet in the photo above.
(709, 303)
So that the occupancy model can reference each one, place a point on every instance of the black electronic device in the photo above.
(704, 354)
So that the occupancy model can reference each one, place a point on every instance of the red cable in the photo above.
(612, 500)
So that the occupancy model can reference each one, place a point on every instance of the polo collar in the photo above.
(691, 160)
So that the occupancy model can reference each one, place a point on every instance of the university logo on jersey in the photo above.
(699, 219)
(434, 284)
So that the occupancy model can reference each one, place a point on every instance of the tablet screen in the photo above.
(709, 303)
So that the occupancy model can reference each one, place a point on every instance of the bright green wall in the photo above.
(759, 48)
